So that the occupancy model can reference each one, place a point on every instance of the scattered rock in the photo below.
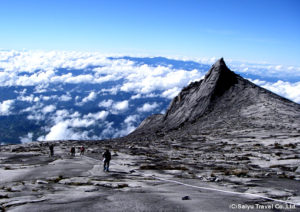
(41, 182)
(55, 179)
(237, 172)
(7, 168)
(16, 189)
(186, 198)
(3, 195)
(291, 145)
(23, 201)
(19, 149)
(92, 190)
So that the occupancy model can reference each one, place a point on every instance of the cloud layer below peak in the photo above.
(79, 95)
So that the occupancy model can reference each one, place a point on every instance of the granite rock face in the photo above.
(222, 97)
(197, 98)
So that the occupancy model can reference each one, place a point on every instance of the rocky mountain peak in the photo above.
(222, 96)
(219, 63)
(194, 100)
(221, 77)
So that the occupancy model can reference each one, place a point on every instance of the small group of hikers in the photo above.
(81, 149)
(106, 155)
(72, 151)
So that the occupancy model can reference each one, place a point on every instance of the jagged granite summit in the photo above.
(223, 98)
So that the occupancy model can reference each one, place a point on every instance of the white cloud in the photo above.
(27, 138)
(109, 131)
(278, 67)
(137, 96)
(112, 91)
(36, 78)
(29, 61)
(147, 107)
(62, 131)
(61, 114)
(206, 60)
(125, 131)
(49, 109)
(26, 98)
(47, 63)
(158, 78)
(5, 107)
(36, 116)
(106, 103)
(78, 79)
(91, 97)
(59, 131)
(46, 98)
(36, 99)
(41, 88)
(77, 122)
(286, 89)
(98, 116)
(265, 70)
(65, 125)
(76, 114)
(65, 98)
(171, 93)
(121, 106)
(129, 126)
(114, 107)
(131, 119)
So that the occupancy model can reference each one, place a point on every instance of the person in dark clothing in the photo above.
(73, 151)
(51, 148)
(82, 149)
(107, 157)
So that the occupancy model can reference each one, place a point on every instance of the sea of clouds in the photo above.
(83, 95)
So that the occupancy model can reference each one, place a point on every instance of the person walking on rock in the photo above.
(73, 151)
(51, 148)
(107, 157)
(82, 149)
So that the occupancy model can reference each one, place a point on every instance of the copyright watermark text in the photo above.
(237, 206)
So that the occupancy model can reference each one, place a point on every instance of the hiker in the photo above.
(73, 151)
(51, 148)
(82, 150)
(107, 157)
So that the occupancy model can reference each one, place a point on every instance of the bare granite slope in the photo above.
(221, 99)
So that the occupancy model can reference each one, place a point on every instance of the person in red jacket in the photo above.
(82, 149)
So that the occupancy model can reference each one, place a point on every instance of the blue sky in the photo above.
(248, 30)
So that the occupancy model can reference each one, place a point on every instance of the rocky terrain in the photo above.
(224, 144)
